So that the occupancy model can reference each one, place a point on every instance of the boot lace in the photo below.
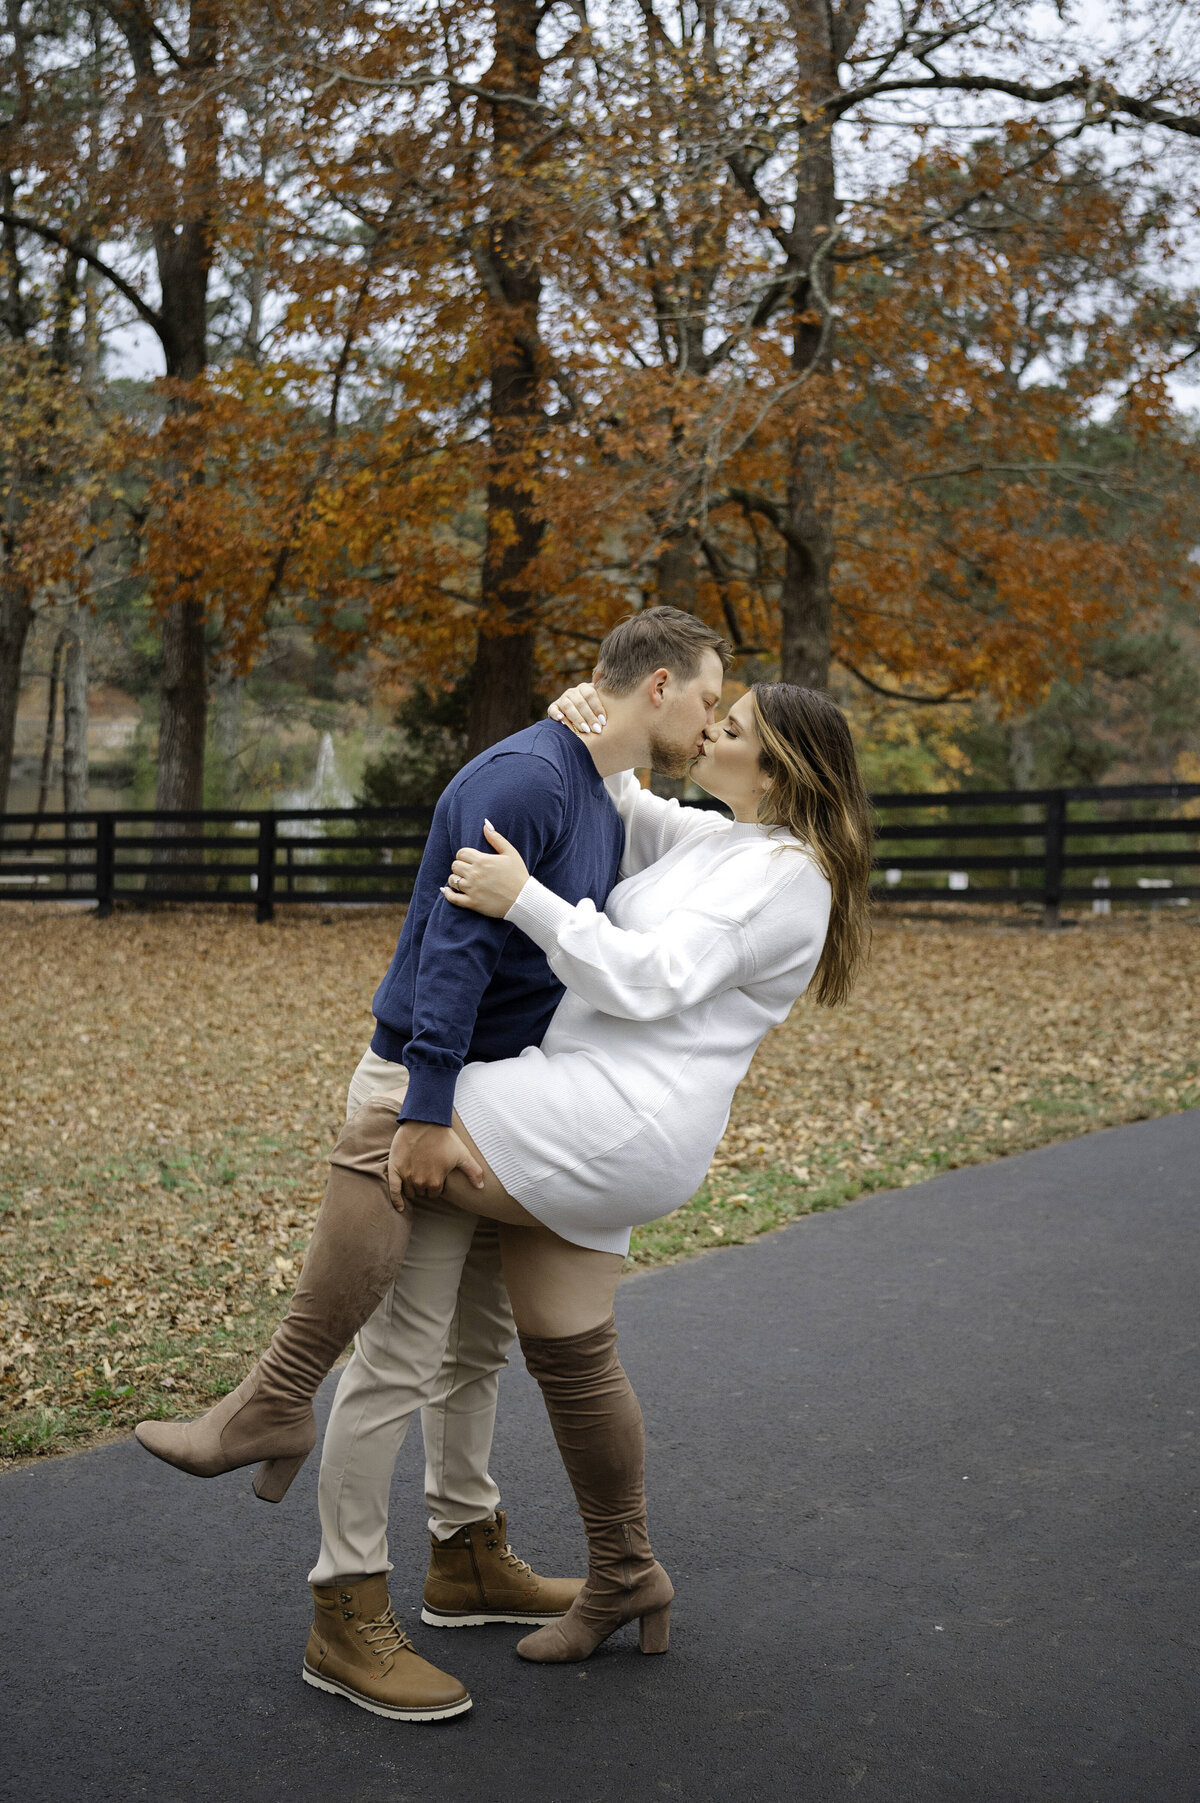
(384, 1635)
(508, 1557)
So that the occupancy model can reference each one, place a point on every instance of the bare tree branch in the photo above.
(1076, 87)
(877, 688)
(79, 247)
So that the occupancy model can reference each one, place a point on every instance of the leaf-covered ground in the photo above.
(173, 1081)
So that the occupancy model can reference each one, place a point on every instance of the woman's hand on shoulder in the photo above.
(579, 708)
(487, 882)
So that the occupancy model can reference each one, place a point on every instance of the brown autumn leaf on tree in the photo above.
(975, 532)
(480, 325)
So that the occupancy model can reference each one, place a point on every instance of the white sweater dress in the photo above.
(711, 934)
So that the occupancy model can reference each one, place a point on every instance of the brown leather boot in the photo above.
(358, 1650)
(598, 1427)
(357, 1247)
(475, 1577)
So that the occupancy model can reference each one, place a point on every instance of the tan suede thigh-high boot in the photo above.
(598, 1427)
(357, 1247)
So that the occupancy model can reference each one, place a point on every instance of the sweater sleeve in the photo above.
(652, 825)
(699, 952)
(524, 799)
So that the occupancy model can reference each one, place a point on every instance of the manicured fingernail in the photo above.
(490, 827)
(603, 718)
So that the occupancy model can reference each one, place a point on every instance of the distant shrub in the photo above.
(431, 746)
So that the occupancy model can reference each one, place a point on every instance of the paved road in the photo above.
(923, 1470)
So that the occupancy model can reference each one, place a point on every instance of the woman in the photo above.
(715, 929)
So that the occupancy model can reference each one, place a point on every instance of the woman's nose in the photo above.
(712, 731)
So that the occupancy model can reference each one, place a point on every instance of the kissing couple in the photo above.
(582, 979)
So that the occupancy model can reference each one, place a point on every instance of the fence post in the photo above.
(106, 854)
(265, 888)
(1056, 820)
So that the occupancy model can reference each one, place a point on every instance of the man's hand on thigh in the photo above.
(423, 1155)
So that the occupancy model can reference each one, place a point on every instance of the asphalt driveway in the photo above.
(924, 1472)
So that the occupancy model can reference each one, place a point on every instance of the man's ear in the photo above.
(658, 684)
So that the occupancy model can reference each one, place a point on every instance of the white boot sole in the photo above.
(432, 1619)
(393, 1714)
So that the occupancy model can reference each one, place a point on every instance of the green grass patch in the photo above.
(739, 1206)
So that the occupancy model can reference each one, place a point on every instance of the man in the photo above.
(465, 987)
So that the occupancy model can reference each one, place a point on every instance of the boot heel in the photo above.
(654, 1630)
(274, 1476)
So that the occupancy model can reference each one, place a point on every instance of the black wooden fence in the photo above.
(326, 855)
(1125, 843)
(1132, 842)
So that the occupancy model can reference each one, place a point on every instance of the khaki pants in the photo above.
(437, 1342)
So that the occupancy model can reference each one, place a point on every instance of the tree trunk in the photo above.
(676, 571)
(228, 695)
(46, 773)
(16, 617)
(503, 687)
(75, 760)
(502, 697)
(183, 245)
(806, 594)
(185, 708)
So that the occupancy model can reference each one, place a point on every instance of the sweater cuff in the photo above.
(540, 914)
(430, 1095)
(387, 1044)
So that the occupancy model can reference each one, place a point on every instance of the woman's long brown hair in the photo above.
(816, 792)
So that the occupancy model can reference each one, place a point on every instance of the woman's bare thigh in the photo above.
(556, 1289)
(493, 1201)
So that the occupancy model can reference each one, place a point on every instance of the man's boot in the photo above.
(475, 1578)
(358, 1650)
(356, 1250)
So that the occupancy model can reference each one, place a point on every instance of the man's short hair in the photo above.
(658, 638)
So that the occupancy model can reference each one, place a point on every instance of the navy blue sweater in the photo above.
(464, 987)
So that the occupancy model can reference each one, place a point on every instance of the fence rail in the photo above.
(1039, 840)
(1046, 834)
(214, 854)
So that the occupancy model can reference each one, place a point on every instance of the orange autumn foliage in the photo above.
(515, 324)
(985, 532)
